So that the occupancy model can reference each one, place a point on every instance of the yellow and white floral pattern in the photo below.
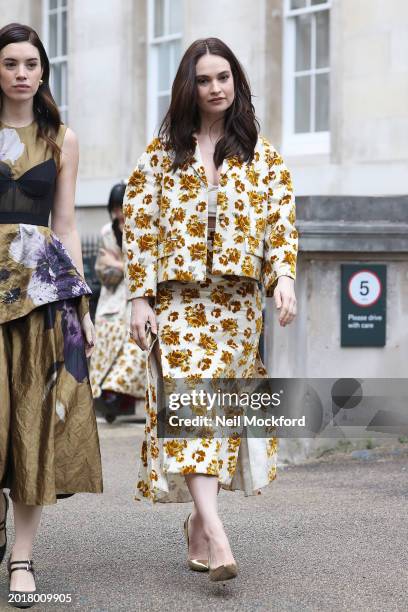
(166, 213)
(208, 292)
(208, 329)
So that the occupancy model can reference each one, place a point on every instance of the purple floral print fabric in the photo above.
(35, 269)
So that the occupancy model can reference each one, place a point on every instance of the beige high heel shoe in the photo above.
(223, 572)
(198, 565)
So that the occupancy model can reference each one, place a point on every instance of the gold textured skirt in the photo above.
(207, 330)
(49, 446)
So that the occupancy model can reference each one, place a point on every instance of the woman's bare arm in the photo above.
(63, 218)
(63, 213)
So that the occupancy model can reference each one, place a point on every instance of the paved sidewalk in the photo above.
(328, 535)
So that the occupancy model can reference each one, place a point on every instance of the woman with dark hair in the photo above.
(210, 220)
(118, 365)
(49, 445)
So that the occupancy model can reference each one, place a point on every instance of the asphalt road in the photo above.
(328, 535)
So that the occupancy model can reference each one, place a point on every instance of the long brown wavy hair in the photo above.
(45, 109)
(183, 117)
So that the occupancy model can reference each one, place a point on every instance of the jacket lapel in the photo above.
(198, 166)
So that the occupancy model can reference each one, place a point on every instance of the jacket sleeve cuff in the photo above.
(138, 292)
(270, 284)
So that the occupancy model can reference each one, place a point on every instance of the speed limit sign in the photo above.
(364, 288)
(363, 300)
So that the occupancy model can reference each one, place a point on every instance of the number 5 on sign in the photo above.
(364, 288)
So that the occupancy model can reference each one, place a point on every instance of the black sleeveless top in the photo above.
(28, 174)
(29, 198)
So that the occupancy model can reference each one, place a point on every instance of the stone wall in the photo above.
(335, 231)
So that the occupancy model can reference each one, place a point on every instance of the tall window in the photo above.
(307, 74)
(165, 44)
(56, 38)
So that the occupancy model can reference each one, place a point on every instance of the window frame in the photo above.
(308, 142)
(57, 59)
(153, 43)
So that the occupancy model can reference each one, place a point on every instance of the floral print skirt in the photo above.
(206, 330)
(49, 445)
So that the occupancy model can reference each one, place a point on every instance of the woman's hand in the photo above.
(109, 259)
(88, 331)
(285, 299)
(141, 314)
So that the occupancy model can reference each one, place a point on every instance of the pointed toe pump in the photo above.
(3, 528)
(197, 565)
(223, 572)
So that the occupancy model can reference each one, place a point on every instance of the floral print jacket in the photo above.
(165, 235)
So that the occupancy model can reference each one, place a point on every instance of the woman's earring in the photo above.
(41, 81)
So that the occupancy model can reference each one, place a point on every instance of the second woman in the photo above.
(117, 371)
(210, 219)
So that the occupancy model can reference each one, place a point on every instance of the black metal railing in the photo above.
(90, 246)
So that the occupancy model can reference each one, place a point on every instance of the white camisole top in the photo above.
(212, 199)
